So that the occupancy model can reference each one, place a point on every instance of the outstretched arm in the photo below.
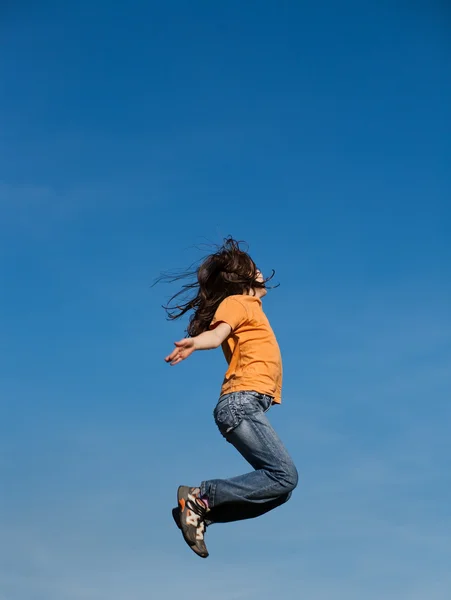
(205, 341)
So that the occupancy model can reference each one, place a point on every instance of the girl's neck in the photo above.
(256, 293)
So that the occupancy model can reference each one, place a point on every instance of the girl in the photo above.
(228, 312)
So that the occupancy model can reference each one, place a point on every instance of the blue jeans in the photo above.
(241, 418)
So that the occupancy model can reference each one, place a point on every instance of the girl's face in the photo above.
(260, 292)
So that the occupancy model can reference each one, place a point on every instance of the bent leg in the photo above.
(275, 475)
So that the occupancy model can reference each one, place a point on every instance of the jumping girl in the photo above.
(228, 312)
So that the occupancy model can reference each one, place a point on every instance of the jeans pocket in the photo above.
(228, 414)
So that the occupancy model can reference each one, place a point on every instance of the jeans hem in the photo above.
(208, 490)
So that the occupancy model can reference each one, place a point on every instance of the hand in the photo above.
(182, 350)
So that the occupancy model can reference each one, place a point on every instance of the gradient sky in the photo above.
(132, 133)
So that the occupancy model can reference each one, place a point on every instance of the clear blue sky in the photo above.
(132, 132)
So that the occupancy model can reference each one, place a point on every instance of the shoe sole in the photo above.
(176, 517)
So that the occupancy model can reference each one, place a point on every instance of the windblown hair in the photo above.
(229, 271)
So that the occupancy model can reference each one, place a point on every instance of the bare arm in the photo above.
(205, 341)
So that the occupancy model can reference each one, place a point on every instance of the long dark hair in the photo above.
(228, 271)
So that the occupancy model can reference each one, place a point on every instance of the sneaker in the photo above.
(191, 519)
(176, 516)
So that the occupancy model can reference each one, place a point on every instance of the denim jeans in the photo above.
(242, 420)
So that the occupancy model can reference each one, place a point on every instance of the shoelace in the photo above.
(197, 507)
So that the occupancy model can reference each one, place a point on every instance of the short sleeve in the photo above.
(230, 311)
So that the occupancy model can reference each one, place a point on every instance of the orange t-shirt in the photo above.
(251, 350)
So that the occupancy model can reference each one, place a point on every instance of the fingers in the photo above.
(175, 357)
(176, 361)
(174, 354)
(180, 352)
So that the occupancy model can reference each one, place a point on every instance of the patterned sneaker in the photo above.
(191, 518)
(176, 516)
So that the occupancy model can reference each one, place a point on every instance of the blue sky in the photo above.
(132, 133)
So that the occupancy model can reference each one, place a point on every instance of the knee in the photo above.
(290, 480)
(293, 478)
